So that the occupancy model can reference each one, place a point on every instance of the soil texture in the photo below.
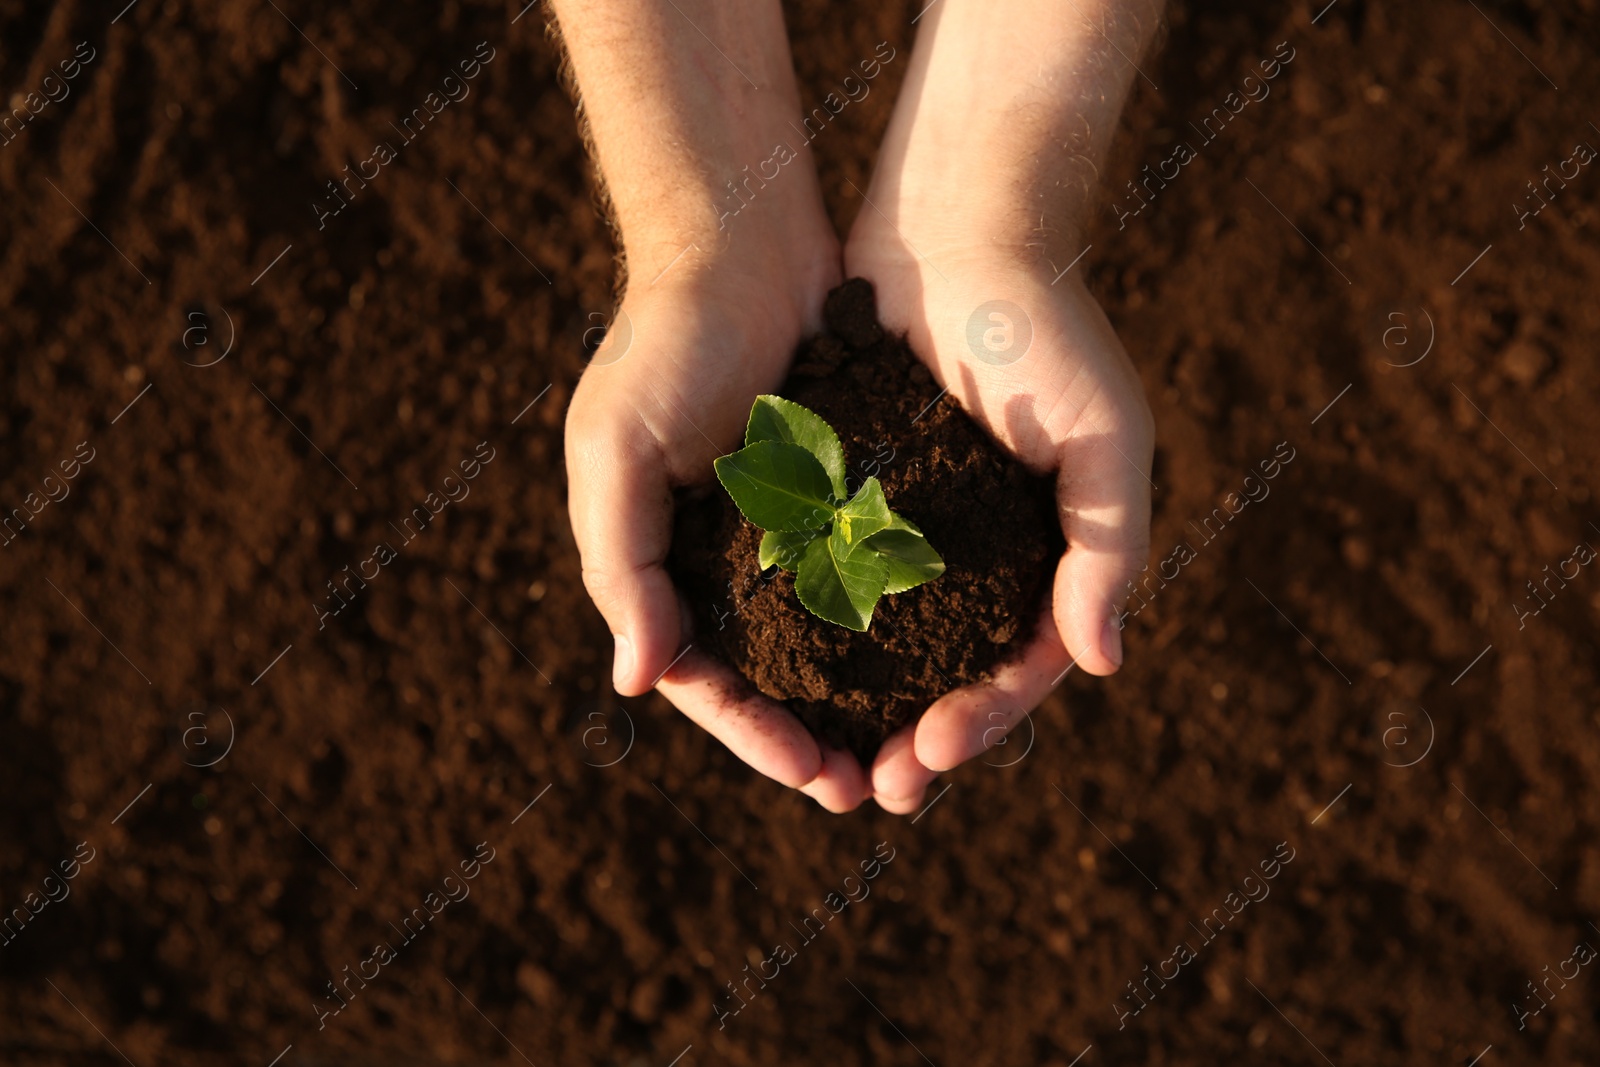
(1354, 667)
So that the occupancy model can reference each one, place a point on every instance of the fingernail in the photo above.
(622, 666)
(1111, 640)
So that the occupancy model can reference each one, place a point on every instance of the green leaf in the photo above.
(865, 514)
(785, 549)
(840, 582)
(775, 419)
(911, 560)
(778, 486)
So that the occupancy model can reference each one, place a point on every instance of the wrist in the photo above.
(777, 268)
(760, 214)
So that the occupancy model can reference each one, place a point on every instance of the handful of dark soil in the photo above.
(991, 519)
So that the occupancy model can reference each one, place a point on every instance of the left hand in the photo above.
(1047, 377)
(975, 211)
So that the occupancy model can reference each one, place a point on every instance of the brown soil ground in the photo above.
(1268, 687)
(939, 470)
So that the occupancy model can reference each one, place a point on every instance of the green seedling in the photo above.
(845, 551)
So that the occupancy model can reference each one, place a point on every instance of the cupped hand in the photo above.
(1027, 352)
(696, 339)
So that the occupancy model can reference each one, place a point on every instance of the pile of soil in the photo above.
(1351, 665)
(939, 470)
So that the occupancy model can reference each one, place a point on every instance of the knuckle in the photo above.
(606, 588)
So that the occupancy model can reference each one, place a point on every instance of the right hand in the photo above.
(666, 394)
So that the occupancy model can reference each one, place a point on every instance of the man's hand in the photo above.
(726, 274)
(666, 394)
(1048, 379)
(974, 215)
(986, 171)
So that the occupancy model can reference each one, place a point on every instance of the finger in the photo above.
(969, 721)
(1105, 507)
(841, 785)
(620, 502)
(757, 730)
(898, 779)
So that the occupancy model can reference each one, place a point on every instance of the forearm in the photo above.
(680, 97)
(1016, 105)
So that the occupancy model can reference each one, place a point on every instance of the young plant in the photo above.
(788, 479)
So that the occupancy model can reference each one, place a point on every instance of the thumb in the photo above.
(620, 502)
(1103, 494)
